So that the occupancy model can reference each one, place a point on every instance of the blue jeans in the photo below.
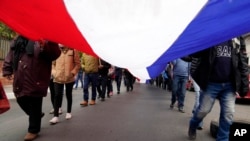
(90, 78)
(225, 93)
(179, 90)
(79, 77)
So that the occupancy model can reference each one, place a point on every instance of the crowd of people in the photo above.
(219, 72)
(36, 66)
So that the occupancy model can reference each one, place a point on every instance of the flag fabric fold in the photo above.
(141, 35)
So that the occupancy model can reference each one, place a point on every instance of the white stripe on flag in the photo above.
(115, 28)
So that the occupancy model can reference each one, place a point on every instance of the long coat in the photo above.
(32, 76)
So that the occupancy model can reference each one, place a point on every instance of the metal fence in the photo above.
(4, 47)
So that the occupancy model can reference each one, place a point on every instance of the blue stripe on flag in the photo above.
(218, 21)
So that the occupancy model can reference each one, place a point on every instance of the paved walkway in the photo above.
(140, 115)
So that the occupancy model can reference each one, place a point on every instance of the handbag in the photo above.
(4, 102)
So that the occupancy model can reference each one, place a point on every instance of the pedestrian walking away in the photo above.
(118, 79)
(103, 78)
(129, 80)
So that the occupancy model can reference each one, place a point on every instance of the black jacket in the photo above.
(105, 69)
(203, 69)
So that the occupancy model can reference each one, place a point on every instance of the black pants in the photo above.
(102, 86)
(32, 106)
(118, 80)
(170, 82)
(52, 92)
(129, 83)
(59, 96)
(109, 86)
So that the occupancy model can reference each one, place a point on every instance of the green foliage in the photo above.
(80, 54)
(6, 32)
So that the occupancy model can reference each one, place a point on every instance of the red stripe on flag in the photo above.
(46, 19)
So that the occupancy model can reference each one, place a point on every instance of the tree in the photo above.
(6, 32)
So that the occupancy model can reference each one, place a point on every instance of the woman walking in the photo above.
(64, 70)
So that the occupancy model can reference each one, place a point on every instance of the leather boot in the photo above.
(30, 136)
(92, 102)
(84, 103)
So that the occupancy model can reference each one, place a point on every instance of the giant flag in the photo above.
(141, 35)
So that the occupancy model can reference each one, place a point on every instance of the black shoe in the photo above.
(42, 114)
(191, 134)
(199, 128)
(118, 92)
(171, 106)
(102, 99)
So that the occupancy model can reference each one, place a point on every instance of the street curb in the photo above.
(9, 92)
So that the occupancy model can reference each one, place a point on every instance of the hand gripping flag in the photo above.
(141, 35)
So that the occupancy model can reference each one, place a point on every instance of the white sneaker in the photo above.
(51, 111)
(60, 111)
(54, 120)
(68, 116)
